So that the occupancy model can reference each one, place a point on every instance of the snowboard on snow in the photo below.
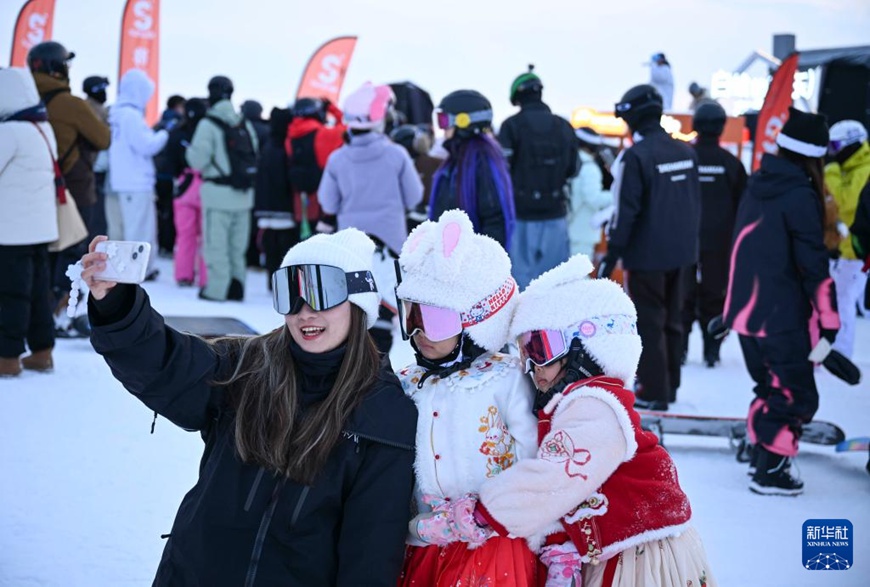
(732, 428)
(861, 443)
(210, 326)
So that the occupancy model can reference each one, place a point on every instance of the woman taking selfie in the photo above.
(306, 476)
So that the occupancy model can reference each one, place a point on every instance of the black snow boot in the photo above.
(711, 349)
(773, 476)
(236, 292)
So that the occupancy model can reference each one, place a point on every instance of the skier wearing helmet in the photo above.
(845, 177)
(474, 177)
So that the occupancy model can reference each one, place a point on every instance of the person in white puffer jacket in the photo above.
(28, 223)
(456, 298)
(131, 159)
(588, 196)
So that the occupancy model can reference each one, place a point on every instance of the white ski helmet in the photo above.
(845, 133)
(367, 107)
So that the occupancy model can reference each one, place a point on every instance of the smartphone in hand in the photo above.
(127, 262)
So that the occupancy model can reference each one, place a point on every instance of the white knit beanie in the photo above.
(445, 264)
(350, 250)
(602, 315)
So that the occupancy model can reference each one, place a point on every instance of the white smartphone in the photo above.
(127, 262)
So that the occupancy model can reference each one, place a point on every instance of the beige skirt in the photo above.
(679, 561)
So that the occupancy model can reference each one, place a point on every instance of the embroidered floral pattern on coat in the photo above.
(559, 448)
(498, 444)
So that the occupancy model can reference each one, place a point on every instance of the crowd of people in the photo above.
(511, 450)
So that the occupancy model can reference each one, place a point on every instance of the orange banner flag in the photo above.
(32, 27)
(140, 46)
(774, 111)
(326, 69)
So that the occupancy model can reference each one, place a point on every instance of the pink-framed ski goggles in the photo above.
(436, 323)
(439, 323)
(544, 347)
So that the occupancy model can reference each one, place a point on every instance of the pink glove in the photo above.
(434, 527)
(465, 527)
(563, 565)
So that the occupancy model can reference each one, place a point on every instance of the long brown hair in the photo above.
(269, 430)
(814, 167)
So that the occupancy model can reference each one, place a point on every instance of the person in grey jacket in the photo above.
(226, 210)
(370, 183)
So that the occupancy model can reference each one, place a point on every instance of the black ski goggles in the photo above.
(320, 286)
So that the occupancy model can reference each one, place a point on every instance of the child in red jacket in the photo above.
(601, 489)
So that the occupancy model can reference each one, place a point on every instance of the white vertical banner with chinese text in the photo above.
(140, 46)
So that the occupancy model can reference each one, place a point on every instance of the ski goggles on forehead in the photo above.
(320, 286)
(463, 119)
(436, 323)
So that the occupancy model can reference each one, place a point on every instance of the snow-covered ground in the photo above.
(86, 491)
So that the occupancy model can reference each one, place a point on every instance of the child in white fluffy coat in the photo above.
(475, 420)
(602, 493)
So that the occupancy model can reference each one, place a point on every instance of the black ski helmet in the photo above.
(404, 135)
(709, 119)
(49, 57)
(468, 111)
(195, 109)
(219, 88)
(309, 108)
(95, 87)
(638, 104)
(528, 82)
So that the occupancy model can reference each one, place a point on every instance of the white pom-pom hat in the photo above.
(445, 264)
(596, 311)
(350, 250)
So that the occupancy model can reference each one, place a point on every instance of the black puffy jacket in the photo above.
(240, 525)
(779, 263)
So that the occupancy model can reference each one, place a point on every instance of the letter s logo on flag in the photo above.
(140, 46)
(36, 29)
(32, 27)
(142, 12)
(324, 74)
(330, 69)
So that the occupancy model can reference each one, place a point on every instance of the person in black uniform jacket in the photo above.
(273, 194)
(541, 149)
(655, 233)
(307, 472)
(723, 180)
(781, 295)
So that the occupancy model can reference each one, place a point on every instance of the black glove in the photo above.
(607, 265)
(717, 328)
(829, 334)
(327, 224)
(842, 368)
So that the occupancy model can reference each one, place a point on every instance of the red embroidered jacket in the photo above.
(598, 475)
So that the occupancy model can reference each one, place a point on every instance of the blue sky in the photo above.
(587, 53)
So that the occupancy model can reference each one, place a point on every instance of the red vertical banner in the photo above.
(140, 46)
(774, 111)
(33, 26)
(326, 69)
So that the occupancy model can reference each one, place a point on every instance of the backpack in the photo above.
(540, 162)
(303, 171)
(242, 156)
